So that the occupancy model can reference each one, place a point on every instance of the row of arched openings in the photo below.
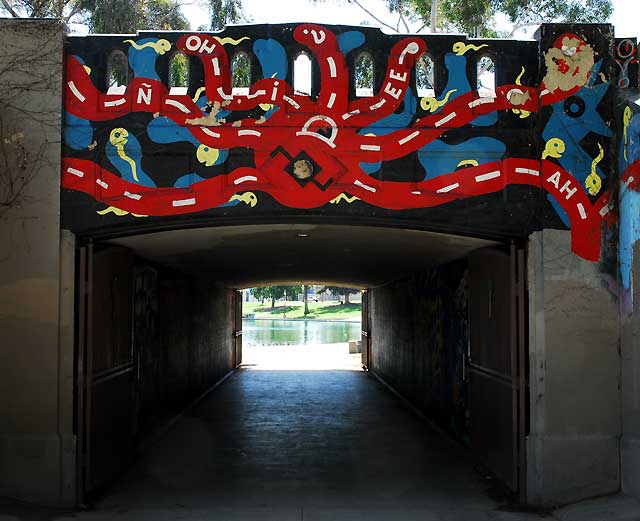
(118, 74)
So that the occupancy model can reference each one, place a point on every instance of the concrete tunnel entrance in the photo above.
(160, 320)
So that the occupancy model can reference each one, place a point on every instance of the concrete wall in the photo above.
(573, 447)
(183, 337)
(419, 334)
(630, 444)
(36, 271)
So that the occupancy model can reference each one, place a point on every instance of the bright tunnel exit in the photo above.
(302, 327)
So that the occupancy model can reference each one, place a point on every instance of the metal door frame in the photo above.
(83, 363)
(365, 333)
(518, 381)
(237, 328)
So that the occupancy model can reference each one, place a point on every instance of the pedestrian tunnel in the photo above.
(388, 163)
(160, 319)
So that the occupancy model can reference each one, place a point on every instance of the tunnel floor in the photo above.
(301, 445)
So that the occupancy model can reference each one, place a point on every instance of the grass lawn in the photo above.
(329, 310)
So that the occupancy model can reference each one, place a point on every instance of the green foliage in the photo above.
(339, 290)
(105, 16)
(129, 16)
(329, 310)
(475, 17)
(364, 71)
(274, 293)
(241, 70)
(224, 12)
(179, 70)
(118, 68)
(424, 73)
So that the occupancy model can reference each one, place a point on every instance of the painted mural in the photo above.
(330, 147)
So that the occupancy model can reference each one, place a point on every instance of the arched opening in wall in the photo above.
(241, 73)
(302, 77)
(364, 75)
(486, 77)
(165, 296)
(302, 326)
(425, 77)
(117, 73)
(179, 74)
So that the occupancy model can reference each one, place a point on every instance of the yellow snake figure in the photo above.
(626, 121)
(118, 139)
(520, 112)
(555, 147)
(161, 46)
(460, 48)
(248, 198)
(230, 40)
(593, 183)
(344, 197)
(432, 104)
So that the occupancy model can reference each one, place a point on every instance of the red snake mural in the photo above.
(325, 131)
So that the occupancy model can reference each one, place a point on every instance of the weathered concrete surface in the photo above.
(37, 445)
(612, 508)
(311, 445)
(630, 347)
(573, 447)
(419, 336)
(183, 335)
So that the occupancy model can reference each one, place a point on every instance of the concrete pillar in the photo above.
(573, 447)
(630, 445)
(37, 444)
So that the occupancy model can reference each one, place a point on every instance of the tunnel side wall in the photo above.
(183, 340)
(37, 444)
(630, 444)
(573, 446)
(419, 334)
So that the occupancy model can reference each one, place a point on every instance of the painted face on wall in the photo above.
(569, 63)
(302, 169)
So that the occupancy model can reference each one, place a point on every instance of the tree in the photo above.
(26, 129)
(305, 299)
(339, 290)
(129, 16)
(225, 12)
(63, 9)
(275, 292)
(105, 16)
(476, 17)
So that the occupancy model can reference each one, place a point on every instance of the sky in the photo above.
(625, 16)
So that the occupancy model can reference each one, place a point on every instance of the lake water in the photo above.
(297, 332)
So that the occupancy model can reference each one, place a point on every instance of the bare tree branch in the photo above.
(373, 16)
(9, 8)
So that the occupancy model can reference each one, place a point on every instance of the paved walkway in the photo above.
(301, 445)
(305, 445)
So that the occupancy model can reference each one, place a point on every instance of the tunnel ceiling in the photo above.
(246, 256)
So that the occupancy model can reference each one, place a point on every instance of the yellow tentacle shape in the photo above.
(593, 183)
(626, 121)
(468, 162)
(554, 147)
(433, 104)
(118, 138)
(460, 48)
(161, 46)
(207, 155)
(344, 197)
(248, 197)
(522, 113)
(198, 93)
(230, 40)
(519, 78)
(118, 212)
